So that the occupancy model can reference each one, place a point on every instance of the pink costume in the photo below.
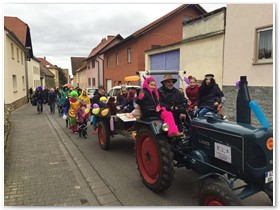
(165, 115)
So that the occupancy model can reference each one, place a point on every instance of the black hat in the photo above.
(209, 75)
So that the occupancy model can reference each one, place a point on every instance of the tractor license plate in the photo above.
(268, 176)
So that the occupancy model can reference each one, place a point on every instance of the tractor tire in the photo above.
(215, 192)
(103, 135)
(154, 159)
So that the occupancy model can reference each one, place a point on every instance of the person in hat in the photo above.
(172, 99)
(209, 96)
(148, 100)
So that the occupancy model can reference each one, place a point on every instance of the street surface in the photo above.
(117, 169)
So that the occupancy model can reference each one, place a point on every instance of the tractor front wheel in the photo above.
(215, 192)
(154, 159)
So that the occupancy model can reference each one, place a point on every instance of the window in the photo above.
(117, 59)
(93, 63)
(264, 52)
(17, 55)
(14, 83)
(129, 55)
(93, 81)
(12, 51)
(21, 57)
(23, 83)
(108, 61)
(89, 82)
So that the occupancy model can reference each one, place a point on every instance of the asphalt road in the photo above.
(117, 166)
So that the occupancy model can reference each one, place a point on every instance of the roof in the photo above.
(84, 66)
(104, 42)
(20, 29)
(44, 63)
(76, 63)
(46, 72)
(157, 22)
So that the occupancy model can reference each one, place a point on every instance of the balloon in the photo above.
(105, 112)
(112, 127)
(88, 106)
(64, 117)
(186, 80)
(87, 110)
(259, 114)
(237, 84)
(96, 111)
(95, 106)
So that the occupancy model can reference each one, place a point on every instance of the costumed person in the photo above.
(128, 105)
(173, 100)
(51, 100)
(39, 98)
(70, 108)
(111, 105)
(192, 93)
(148, 100)
(59, 103)
(64, 95)
(82, 118)
(84, 96)
(209, 96)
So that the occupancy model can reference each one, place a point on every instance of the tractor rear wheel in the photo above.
(103, 135)
(215, 192)
(154, 159)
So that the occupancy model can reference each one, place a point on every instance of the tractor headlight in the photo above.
(165, 127)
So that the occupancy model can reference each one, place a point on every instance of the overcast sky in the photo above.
(61, 31)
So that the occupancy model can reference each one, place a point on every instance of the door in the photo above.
(166, 61)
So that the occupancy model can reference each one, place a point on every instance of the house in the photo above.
(17, 52)
(76, 63)
(127, 57)
(249, 51)
(66, 73)
(81, 75)
(46, 77)
(53, 69)
(95, 74)
(34, 73)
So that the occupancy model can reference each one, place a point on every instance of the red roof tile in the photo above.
(44, 63)
(18, 27)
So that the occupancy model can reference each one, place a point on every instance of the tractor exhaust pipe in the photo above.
(243, 111)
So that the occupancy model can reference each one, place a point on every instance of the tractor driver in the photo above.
(172, 99)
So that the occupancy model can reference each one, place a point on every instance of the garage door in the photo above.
(166, 61)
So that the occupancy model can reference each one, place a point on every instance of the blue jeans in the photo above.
(52, 107)
(39, 106)
(202, 112)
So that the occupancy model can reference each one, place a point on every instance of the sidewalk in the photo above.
(44, 168)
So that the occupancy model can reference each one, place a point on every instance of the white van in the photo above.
(116, 89)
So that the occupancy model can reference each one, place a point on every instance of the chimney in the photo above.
(44, 58)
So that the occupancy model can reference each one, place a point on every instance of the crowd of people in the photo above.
(150, 102)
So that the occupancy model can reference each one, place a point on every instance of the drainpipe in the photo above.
(102, 69)
(26, 72)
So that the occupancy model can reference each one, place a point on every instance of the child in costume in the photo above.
(82, 117)
(84, 96)
(59, 103)
(148, 100)
(70, 108)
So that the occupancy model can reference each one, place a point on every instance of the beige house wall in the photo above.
(203, 48)
(56, 77)
(33, 74)
(82, 75)
(242, 22)
(13, 66)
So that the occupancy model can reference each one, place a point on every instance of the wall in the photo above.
(239, 54)
(33, 74)
(13, 67)
(240, 44)
(203, 47)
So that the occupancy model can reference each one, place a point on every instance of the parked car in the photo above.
(91, 92)
(114, 91)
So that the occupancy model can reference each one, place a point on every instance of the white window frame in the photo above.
(14, 77)
(12, 51)
(258, 33)
(129, 55)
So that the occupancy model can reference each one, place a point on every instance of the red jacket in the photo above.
(192, 94)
